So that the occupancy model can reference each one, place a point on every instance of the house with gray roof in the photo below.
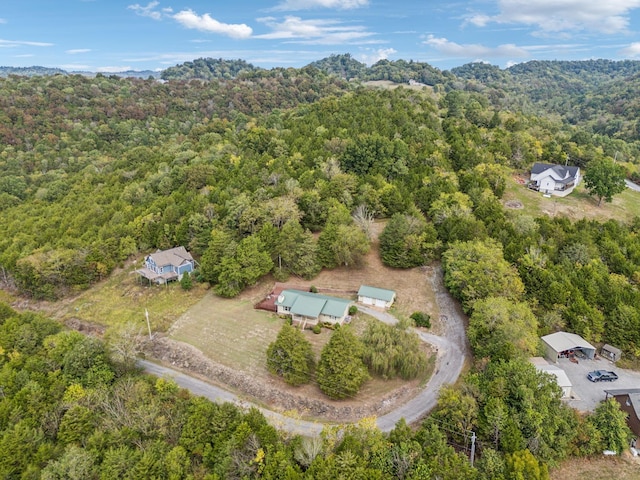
(167, 265)
(558, 180)
(377, 297)
(307, 308)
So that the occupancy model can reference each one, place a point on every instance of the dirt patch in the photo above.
(624, 467)
(514, 204)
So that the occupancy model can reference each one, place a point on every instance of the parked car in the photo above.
(602, 376)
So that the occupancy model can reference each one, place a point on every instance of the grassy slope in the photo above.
(576, 206)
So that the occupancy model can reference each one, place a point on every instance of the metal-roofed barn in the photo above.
(378, 297)
(565, 344)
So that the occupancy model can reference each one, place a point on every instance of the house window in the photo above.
(628, 403)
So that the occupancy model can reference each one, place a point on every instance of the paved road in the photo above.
(452, 353)
(632, 186)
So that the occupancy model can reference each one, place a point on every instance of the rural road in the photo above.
(632, 185)
(452, 353)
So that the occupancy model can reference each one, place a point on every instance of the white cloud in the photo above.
(114, 69)
(76, 51)
(562, 16)
(475, 50)
(205, 23)
(374, 56)
(321, 32)
(3, 20)
(19, 43)
(75, 67)
(150, 10)
(288, 5)
(632, 50)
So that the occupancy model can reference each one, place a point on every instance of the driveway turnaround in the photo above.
(586, 395)
(452, 352)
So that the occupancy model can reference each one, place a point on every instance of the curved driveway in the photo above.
(452, 353)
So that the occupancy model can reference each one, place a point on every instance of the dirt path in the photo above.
(452, 351)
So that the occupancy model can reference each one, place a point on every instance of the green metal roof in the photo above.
(375, 292)
(313, 304)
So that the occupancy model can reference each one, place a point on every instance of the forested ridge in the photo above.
(281, 172)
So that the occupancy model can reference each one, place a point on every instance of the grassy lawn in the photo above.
(577, 205)
(122, 299)
(234, 334)
(229, 331)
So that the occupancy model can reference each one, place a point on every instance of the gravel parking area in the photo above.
(586, 394)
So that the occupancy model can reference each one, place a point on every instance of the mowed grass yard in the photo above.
(234, 334)
(575, 206)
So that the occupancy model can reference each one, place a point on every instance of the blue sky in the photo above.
(117, 35)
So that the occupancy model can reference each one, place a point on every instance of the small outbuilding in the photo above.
(565, 345)
(378, 297)
(560, 375)
(610, 353)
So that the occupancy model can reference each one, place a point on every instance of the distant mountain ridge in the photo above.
(47, 71)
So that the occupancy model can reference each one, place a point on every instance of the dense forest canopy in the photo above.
(280, 172)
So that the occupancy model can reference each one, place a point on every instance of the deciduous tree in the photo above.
(604, 178)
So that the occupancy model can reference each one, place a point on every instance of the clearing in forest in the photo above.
(232, 333)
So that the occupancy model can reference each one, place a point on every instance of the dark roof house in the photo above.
(555, 180)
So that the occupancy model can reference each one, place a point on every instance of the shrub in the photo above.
(317, 328)
(313, 289)
(186, 282)
(353, 310)
(421, 319)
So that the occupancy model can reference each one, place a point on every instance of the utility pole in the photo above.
(146, 314)
(472, 455)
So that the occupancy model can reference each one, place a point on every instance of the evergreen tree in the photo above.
(290, 356)
(611, 422)
(341, 371)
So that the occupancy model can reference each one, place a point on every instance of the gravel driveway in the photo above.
(586, 394)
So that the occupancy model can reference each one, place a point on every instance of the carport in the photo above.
(565, 345)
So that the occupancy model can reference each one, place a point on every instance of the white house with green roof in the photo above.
(309, 308)
(378, 297)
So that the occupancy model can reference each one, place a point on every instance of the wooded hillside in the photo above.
(281, 172)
